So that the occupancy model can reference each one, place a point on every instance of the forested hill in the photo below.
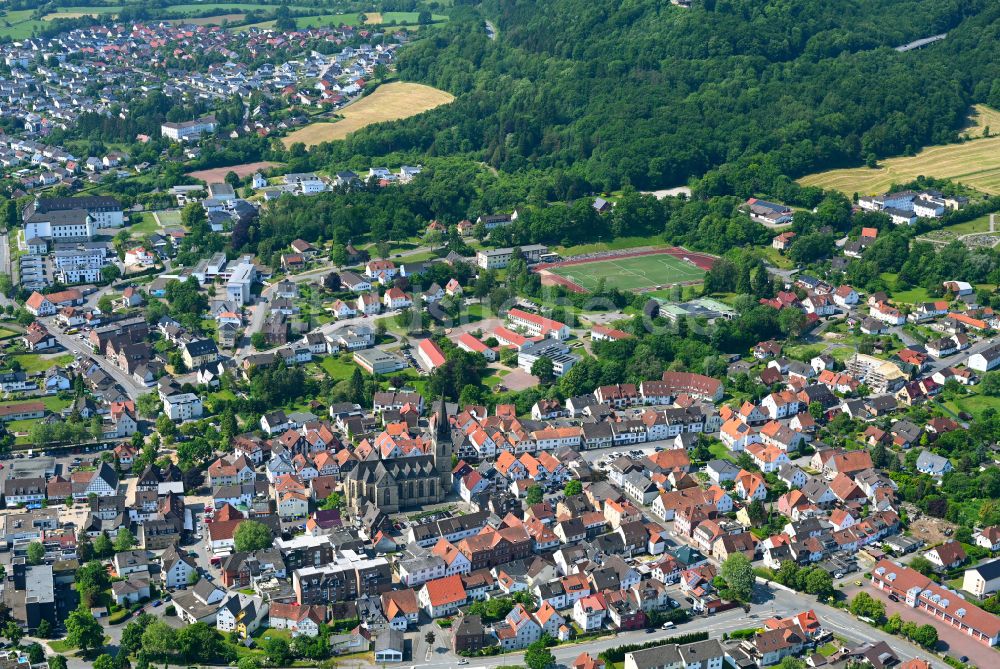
(642, 92)
(649, 35)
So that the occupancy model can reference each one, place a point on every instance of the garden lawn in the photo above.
(222, 395)
(52, 403)
(61, 646)
(973, 404)
(775, 257)
(841, 353)
(719, 451)
(827, 649)
(21, 425)
(804, 352)
(339, 367)
(912, 296)
(981, 224)
(265, 633)
(37, 362)
(146, 226)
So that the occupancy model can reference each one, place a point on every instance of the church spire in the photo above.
(443, 424)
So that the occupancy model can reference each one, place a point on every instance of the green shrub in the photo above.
(617, 654)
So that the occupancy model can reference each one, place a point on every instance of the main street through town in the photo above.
(80, 347)
(769, 601)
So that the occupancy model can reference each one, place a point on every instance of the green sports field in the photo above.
(636, 273)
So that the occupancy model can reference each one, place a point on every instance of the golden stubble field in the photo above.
(389, 102)
(975, 163)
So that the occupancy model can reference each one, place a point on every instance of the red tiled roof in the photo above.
(447, 590)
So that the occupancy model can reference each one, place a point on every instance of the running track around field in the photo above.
(700, 260)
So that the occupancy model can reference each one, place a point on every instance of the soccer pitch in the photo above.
(636, 273)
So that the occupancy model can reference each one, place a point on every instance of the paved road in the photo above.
(768, 602)
(262, 308)
(5, 257)
(82, 347)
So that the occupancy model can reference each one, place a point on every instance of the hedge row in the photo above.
(617, 654)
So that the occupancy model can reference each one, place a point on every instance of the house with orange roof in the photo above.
(841, 519)
(505, 411)
(791, 501)
(537, 326)
(589, 613)
(443, 596)
(673, 459)
(751, 414)
(471, 485)
(401, 608)
(737, 435)
(845, 296)
(783, 241)
(768, 457)
(467, 342)
(750, 486)
(507, 337)
(604, 333)
(785, 438)
(617, 513)
(369, 304)
(510, 466)
(383, 271)
(668, 504)
(38, 305)
(549, 619)
(887, 314)
(838, 381)
(927, 311)
(846, 490)
(395, 298)
(780, 405)
(518, 630)
(455, 561)
(588, 661)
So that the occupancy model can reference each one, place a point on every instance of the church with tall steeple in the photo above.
(397, 483)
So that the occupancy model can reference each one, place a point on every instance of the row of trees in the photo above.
(866, 606)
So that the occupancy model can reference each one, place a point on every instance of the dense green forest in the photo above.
(647, 94)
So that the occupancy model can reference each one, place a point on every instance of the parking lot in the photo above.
(635, 451)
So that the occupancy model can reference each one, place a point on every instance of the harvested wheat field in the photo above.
(218, 174)
(390, 102)
(373, 18)
(981, 118)
(975, 163)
